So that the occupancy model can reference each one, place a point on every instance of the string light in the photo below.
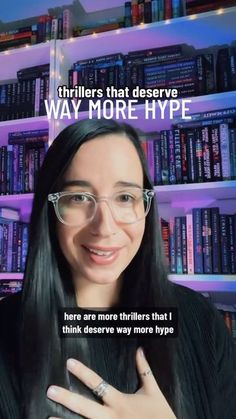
(192, 17)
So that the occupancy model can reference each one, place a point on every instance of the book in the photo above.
(197, 241)
(207, 240)
(190, 247)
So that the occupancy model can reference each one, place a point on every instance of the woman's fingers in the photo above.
(78, 404)
(93, 381)
(148, 381)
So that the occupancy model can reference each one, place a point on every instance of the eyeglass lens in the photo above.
(79, 208)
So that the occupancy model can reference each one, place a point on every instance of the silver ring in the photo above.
(101, 389)
(145, 373)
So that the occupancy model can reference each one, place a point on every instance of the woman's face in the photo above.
(101, 250)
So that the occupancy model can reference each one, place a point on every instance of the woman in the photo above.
(95, 242)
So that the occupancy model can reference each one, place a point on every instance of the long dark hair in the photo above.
(48, 287)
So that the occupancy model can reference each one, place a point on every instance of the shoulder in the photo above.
(202, 321)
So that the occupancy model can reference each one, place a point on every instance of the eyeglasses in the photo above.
(79, 208)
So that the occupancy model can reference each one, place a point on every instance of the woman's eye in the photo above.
(78, 199)
(125, 198)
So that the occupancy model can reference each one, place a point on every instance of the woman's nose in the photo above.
(103, 222)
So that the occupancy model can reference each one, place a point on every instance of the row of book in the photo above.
(21, 160)
(147, 11)
(25, 97)
(206, 153)
(46, 28)
(200, 6)
(203, 242)
(14, 238)
(190, 71)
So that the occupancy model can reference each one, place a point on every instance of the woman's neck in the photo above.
(90, 295)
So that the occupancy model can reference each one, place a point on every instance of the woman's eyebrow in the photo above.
(85, 183)
(128, 184)
(76, 183)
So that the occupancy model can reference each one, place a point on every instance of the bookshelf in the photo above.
(200, 31)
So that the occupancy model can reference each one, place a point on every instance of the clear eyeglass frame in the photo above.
(148, 194)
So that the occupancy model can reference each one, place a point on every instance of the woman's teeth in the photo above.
(100, 252)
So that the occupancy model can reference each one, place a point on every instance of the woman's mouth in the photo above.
(102, 256)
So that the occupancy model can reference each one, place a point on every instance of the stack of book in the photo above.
(180, 67)
(8, 287)
(17, 38)
(203, 242)
(200, 150)
(25, 98)
(21, 160)
(14, 238)
(147, 11)
(200, 6)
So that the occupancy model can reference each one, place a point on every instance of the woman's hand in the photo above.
(147, 403)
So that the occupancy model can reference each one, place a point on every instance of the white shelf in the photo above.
(19, 58)
(214, 28)
(222, 283)
(12, 275)
(196, 191)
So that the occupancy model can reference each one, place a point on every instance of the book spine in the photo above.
(177, 8)
(150, 158)
(171, 154)
(216, 248)
(207, 157)
(14, 246)
(168, 9)
(190, 253)
(67, 24)
(54, 28)
(166, 239)
(172, 246)
(9, 247)
(141, 10)
(199, 156)
(164, 157)
(224, 234)
(225, 151)
(197, 241)
(177, 151)
(179, 252)
(191, 153)
(207, 240)
(135, 12)
(216, 155)
(232, 244)
(128, 14)
(147, 11)
(4, 246)
(184, 245)
(161, 9)
(9, 175)
(157, 162)
(155, 11)
(19, 247)
(223, 70)
(232, 152)
(24, 245)
(183, 140)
